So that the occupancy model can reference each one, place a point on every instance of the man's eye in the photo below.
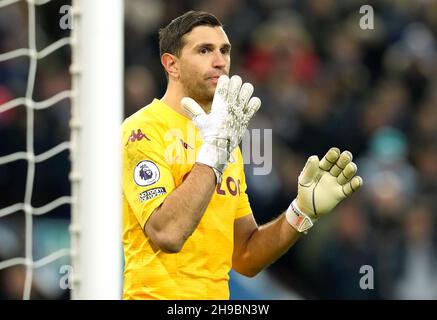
(204, 50)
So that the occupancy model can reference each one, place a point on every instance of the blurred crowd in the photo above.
(323, 82)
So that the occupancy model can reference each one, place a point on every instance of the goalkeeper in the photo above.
(186, 215)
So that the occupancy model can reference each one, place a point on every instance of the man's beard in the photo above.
(199, 91)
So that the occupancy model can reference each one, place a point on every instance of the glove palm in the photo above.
(325, 183)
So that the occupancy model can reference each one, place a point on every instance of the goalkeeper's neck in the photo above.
(173, 96)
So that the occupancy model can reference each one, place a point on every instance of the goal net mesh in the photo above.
(32, 158)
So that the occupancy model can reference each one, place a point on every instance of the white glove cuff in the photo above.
(215, 157)
(297, 219)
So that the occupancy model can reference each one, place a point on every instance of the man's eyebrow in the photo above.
(226, 46)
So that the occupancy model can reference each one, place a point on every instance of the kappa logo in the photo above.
(146, 173)
(137, 136)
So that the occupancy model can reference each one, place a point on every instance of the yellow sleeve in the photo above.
(243, 208)
(147, 177)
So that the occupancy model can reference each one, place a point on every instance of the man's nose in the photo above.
(219, 60)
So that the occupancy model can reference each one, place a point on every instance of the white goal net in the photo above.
(96, 111)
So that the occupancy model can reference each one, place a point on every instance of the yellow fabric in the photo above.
(158, 135)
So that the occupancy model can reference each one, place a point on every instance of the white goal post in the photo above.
(97, 112)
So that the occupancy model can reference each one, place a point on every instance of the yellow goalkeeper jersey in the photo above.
(159, 150)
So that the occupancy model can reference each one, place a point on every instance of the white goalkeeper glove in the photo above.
(243, 109)
(322, 185)
(222, 129)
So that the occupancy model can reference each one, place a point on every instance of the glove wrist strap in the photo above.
(215, 157)
(297, 219)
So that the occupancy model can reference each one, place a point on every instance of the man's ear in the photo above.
(170, 64)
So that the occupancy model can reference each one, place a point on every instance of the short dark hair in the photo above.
(170, 37)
